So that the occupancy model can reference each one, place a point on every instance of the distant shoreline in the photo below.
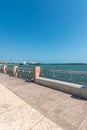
(48, 63)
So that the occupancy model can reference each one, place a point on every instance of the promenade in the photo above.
(29, 106)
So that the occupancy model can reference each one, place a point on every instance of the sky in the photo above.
(50, 31)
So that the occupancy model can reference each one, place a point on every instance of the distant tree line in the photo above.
(2, 62)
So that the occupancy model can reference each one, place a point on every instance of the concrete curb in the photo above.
(71, 88)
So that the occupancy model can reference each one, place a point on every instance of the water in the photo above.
(59, 67)
(63, 77)
(65, 67)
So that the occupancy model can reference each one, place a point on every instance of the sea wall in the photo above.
(71, 88)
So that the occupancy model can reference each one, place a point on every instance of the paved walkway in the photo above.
(15, 114)
(66, 111)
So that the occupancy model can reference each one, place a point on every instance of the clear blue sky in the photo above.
(43, 30)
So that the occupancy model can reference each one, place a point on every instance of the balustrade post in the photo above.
(15, 71)
(5, 68)
(36, 73)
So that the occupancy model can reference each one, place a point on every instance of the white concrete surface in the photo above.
(71, 88)
(15, 114)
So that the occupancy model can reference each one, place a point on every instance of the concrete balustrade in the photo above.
(15, 71)
(71, 88)
(5, 69)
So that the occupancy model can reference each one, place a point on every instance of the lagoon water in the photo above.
(66, 67)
